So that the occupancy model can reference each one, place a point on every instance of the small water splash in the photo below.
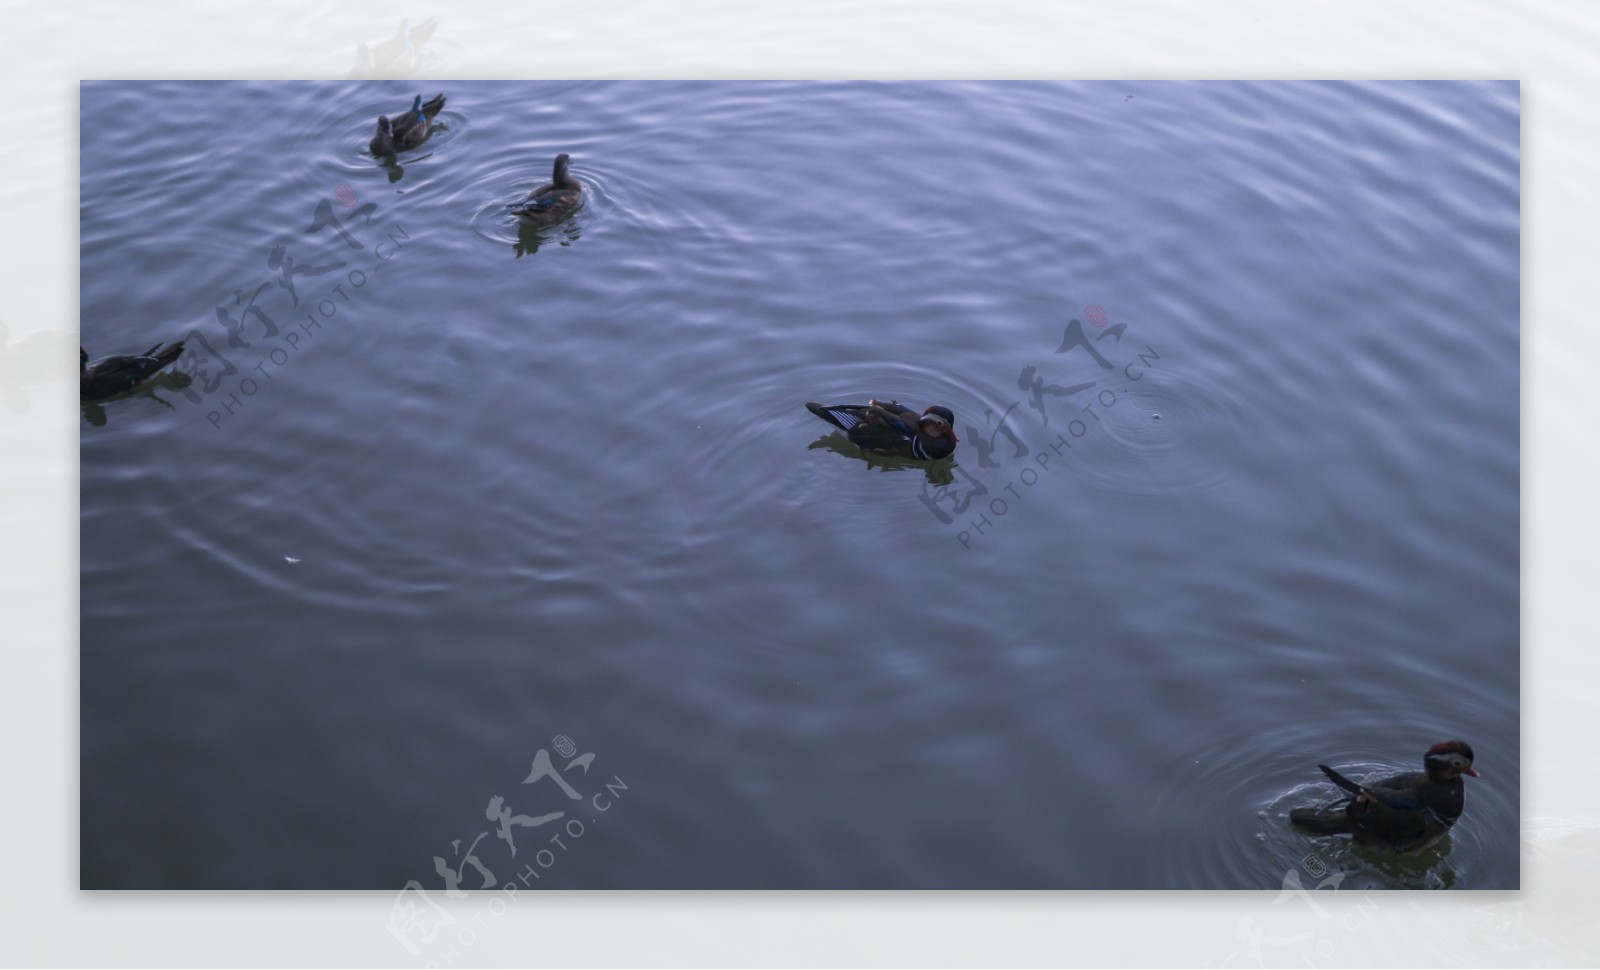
(1166, 434)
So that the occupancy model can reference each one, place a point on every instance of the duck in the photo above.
(118, 375)
(555, 200)
(891, 429)
(1402, 813)
(406, 131)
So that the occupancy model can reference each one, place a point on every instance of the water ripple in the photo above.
(580, 492)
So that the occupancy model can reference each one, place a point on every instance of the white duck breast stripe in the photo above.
(916, 449)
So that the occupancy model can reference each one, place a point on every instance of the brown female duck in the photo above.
(555, 200)
(406, 131)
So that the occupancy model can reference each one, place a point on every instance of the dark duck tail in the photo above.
(429, 109)
(1320, 821)
(117, 375)
(1333, 820)
(890, 429)
(847, 416)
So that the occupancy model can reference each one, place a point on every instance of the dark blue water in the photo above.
(469, 488)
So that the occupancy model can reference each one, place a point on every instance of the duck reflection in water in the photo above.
(530, 238)
(938, 472)
(394, 170)
(94, 411)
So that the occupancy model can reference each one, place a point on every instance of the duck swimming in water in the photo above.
(1403, 813)
(117, 375)
(555, 200)
(889, 429)
(406, 131)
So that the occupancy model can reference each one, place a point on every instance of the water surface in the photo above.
(563, 483)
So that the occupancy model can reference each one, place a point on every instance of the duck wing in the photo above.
(408, 119)
(548, 202)
(541, 199)
(844, 416)
(1403, 793)
(854, 417)
(871, 427)
(900, 420)
(1399, 792)
(1392, 812)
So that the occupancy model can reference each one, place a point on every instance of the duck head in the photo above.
(1448, 760)
(385, 135)
(559, 176)
(939, 421)
(83, 362)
